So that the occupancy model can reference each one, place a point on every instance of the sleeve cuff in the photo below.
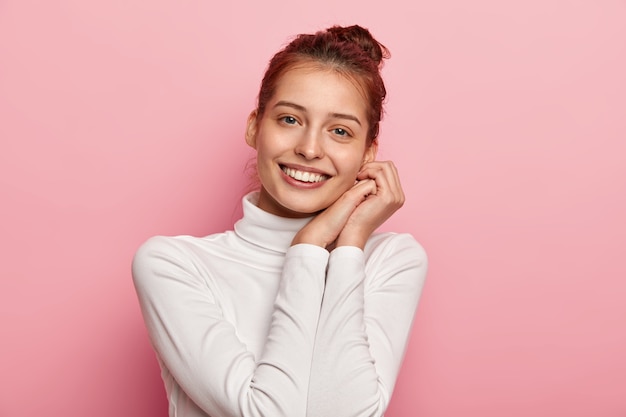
(308, 250)
(347, 252)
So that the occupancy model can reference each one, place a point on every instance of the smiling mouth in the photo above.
(303, 176)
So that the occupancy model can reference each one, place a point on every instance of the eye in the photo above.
(290, 120)
(340, 131)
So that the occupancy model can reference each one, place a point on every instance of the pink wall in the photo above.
(123, 119)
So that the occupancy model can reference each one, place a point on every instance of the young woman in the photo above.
(301, 310)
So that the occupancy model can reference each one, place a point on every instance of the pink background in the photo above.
(124, 119)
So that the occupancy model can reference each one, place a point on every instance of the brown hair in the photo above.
(351, 51)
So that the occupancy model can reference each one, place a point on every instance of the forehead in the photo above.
(315, 86)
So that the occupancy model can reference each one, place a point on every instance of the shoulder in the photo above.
(384, 246)
(181, 244)
(157, 253)
(395, 259)
(168, 253)
(167, 246)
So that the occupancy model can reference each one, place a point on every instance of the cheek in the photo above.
(349, 173)
(263, 151)
(352, 161)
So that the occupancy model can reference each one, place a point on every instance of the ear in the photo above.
(251, 128)
(370, 153)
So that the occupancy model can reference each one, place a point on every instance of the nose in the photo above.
(310, 145)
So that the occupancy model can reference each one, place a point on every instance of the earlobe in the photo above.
(251, 129)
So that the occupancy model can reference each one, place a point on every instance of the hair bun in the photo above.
(351, 51)
(363, 38)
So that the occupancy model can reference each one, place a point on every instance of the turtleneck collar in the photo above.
(265, 229)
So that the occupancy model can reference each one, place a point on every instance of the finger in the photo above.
(387, 179)
(387, 168)
(363, 188)
(381, 173)
(345, 205)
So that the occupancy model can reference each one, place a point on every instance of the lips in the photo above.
(304, 176)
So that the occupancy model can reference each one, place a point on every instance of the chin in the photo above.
(286, 203)
(304, 209)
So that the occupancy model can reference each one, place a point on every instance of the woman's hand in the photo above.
(351, 219)
(377, 207)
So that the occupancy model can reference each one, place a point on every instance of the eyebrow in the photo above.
(302, 108)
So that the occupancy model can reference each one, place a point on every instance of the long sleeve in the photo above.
(364, 326)
(202, 350)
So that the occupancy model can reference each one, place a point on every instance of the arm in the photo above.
(365, 321)
(364, 327)
(201, 349)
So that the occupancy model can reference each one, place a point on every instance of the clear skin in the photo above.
(316, 123)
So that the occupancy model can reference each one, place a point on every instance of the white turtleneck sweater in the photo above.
(244, 324)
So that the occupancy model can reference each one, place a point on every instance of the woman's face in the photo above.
(311, 141)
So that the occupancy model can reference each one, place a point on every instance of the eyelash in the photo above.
(339, 131)
(344, 133)
(289, 120)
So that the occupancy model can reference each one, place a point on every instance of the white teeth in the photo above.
(303, 176)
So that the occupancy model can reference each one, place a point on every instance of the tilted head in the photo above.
(351, 51)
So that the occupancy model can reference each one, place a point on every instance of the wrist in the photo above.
(351, 240)
(310, 239)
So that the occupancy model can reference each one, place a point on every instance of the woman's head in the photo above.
(316, 122)
(350, 51)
